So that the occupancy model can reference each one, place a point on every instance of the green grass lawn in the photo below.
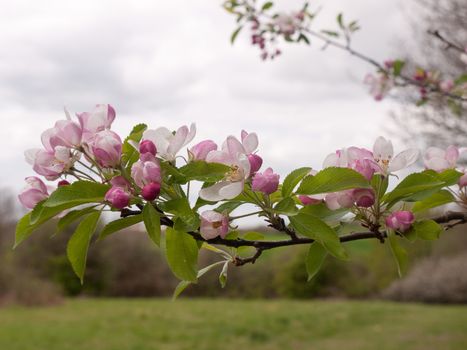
(233, 324)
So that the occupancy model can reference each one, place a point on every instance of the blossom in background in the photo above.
(168, 144)
(339, 200)
(439, 160)
(383, 153)
(34, 192)
(201, 150)
(288, 24)
(232, 155)
(106, 148)
(400, 220)
(101, 118)
(379, 85)
(213, 224)
(463, 56)
(446, 85)
(266, 182)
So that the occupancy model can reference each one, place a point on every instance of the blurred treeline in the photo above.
(128, 264)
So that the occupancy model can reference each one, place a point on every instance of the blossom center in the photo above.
(235, 174)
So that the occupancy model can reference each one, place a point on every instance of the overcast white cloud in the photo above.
(170, 63)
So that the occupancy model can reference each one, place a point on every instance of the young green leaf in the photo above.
(314, 259)
(267, 5)
(311, 226)
(223, 275)
(286, 207)
(71, 217)
(181, 208)
(152, 222)
(399, 254)
(79, 192)
(235, 34)
(435, 200)
(332, 180)
(202, 171)
(77, 248)
(292, 180)
(427, 229)
(120, 224)
(182, 254)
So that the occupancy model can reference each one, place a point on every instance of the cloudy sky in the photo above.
(169, 63)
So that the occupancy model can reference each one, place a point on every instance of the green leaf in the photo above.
(175, 175)
(292, 180)
(253, 236)
(314, 259)
(330, 33)
(234, 35)
(71, 217)
(450, 177)
(286, 207)
(228, 207)
(380, 184)
(182, 254)
(340, 20)
(399, 254)
(181, 208)
(223, 275)
(332, 180)
(323, 212)
(427, 229)
(79, 192)
(152, 222)
(202, 171)
(184, 284)
(40, 213)
(120, 224)
(24, 228)
(398, 65)
(303, 37)
(267, 5)
(413, 188)
(435, 200)
(130, 154)
(77, 248)
(311, 226)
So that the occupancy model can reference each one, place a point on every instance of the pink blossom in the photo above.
(400, 221)
(358, 159)
(51, 164)
(309, 200)
(65, 133)
(338, 200)
(255, 162)
(201, 150)
(384, 159)
(101, 118)
(34, 192)
(168, 144)
(213, 224)
(120, 181)
(151, 191)
(147, 146)
(118, 197)
(266, 182)
(250, 145)
(363, 197)
(439, 160)
(106, 147)
(147, 170)
(446, 85)
(233, 155)
(288, 24)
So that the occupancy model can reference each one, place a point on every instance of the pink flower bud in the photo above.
(147, 170)
(463, 180)
(63, 183)
(34, 192)
(364, 197)
(266, 182)
(151, 191)
(213, 224)
(307, 200)
(338, 200)
(255, 163)
(65, 133)
(147, 146)
(106, 146)
(117, 197)
(400, 220)
(201, 150)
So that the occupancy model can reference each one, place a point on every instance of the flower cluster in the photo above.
(147, 178)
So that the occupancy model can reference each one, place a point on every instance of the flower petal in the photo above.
(404, 159)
